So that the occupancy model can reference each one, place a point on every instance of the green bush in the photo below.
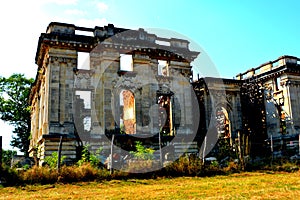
(142, 152)
(143, 160)
(7, 156)
(52, 160)
(88, 157)
(8, 176)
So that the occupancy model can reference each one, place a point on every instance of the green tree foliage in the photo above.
(14, 108)
(7, 156)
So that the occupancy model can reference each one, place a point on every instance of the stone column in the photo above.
(61, 90)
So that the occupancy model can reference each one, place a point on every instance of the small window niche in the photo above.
(83, 60)
(163, 68)
(126, 62)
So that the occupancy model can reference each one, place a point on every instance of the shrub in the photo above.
(232, 167)
(85, 172)
(142, 152)
(8, 176)
(67, 174)
(88, 157)
(142, 161)
(41, 175)
(52, 160)
(286, 167)
(185, 165)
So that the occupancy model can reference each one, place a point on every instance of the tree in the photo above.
(7, 156)
(254, 115)
(15, 109)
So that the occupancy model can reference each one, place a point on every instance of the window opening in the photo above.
(277, 83)
(85, 33)
(126, 62)
(163, 68)
(127, 112)
(86, 96)
(163, 43)
(82, 112)
(165, 121)
(223, 123)
(83, 60)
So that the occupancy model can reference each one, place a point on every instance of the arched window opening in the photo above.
(127, 112)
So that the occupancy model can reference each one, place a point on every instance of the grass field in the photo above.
(249, 185)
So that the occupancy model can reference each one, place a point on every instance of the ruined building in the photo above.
(260, 105)
(134, 85)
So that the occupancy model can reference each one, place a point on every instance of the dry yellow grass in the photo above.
(252, 185)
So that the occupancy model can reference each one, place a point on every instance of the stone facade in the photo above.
(138, 86)
(132, 84)
(279, 79)
(261, 103)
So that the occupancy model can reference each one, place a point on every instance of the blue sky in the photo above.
(237, 35)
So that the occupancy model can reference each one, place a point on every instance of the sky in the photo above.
(235, 35)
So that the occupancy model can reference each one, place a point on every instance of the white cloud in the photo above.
(102, 7)
(61, 2)
(75, 12)
(26, 25)
(21, 28)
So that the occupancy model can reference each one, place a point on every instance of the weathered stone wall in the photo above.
(84, 105)
(58, 96)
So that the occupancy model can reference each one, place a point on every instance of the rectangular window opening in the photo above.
(85, 33)
(127, 112)
(277, 84)
(126, 62)
(83, 60)
(163, 68)
(165, 116)
(163, 43)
